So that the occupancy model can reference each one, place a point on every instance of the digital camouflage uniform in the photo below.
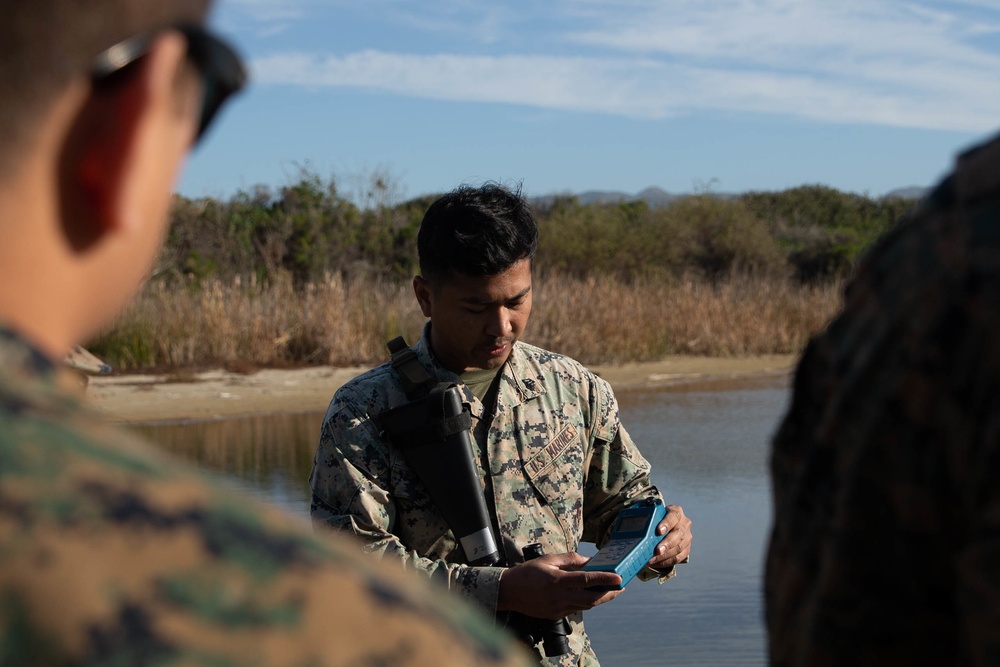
(886, 470)
(113, 554)
(560, 468)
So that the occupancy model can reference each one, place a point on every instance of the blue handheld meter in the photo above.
(632, 542)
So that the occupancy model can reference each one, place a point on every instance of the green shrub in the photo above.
(307, 230)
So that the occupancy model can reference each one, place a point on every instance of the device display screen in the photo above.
(633, 524)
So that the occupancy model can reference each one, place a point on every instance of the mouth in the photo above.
(497, 348)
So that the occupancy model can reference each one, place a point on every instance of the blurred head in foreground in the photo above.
(886, 541)
(102, 102)
(110, 552)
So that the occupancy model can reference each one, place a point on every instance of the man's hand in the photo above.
(676, 546)
(548, 587)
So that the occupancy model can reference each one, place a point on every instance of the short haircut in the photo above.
(46, 44)
(476, 231)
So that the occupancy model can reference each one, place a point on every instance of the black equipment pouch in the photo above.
(432, 432)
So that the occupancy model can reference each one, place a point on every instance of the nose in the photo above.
(499, 325)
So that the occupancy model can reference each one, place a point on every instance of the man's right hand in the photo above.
(551, 587)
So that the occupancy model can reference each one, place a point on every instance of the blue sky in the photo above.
(573, 95)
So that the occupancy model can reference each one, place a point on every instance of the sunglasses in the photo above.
(222, 71)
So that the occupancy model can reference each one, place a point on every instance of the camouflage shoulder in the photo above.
(371, 390)
(553, 367)
(113, 553)
(555, 364)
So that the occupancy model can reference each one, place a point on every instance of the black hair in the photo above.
(45, 44)
(476, 231)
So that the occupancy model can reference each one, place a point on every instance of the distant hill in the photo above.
(657, 197)
(652, 195)
(912, 192)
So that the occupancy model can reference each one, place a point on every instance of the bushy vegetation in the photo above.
(306, 231)
(309, 230)
(304, 275)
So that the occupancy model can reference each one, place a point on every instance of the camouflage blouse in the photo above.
(114, 554)
(555, 464)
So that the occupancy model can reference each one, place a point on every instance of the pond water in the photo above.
(708, 446)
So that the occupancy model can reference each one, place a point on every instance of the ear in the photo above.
(423, 292)
(132, 139)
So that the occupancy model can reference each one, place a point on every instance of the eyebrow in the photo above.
(483, 302)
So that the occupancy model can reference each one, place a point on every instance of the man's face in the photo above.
(476, 320)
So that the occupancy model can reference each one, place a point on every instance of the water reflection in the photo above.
(708, 448)
(269, 456)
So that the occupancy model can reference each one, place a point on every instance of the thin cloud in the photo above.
(474, 22)
(779, 34)
(468, 19)
(634, 88)
(266, 11)
(879, 61)
(556, 83)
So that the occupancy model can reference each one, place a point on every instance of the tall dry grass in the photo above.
(346, 322)
(603, 320)
(244, 322)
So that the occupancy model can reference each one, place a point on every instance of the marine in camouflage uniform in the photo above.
(555, 463)
(886, 470)
(113, 554)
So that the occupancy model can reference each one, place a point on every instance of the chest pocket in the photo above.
(556, 473)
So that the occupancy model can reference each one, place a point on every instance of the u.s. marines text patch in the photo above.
(551, 451)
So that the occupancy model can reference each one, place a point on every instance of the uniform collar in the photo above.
(520, 371)
(523, 372)
(19, 357)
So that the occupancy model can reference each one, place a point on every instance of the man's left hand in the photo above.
(676, 546)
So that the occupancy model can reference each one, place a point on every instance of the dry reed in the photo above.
(343, 323)
(603, 320)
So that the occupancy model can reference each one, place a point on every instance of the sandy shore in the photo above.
(221, 394)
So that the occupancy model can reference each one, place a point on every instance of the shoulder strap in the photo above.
(416, 380)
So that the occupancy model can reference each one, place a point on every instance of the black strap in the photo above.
(416, 380)
(431, 432)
